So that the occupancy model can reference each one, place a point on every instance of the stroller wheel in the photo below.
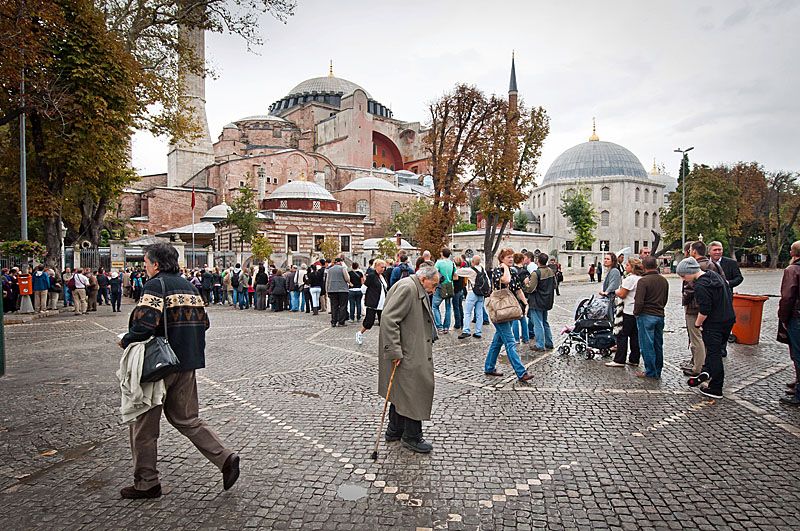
(605, 352)
(589, 354)
(580, 348)
(563, 350)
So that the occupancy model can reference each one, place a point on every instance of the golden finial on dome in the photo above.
(594, 137)
(330, 69)
(655, 169)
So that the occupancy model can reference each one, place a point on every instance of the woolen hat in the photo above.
(688, 266)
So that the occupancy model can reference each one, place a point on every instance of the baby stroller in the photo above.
(593, 331)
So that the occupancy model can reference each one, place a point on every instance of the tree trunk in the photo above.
(92, 218)
(52, 239)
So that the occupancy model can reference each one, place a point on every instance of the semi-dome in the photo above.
(371, 183)
(301, 190)
(261, 118)
(326, 85)
(216, 213)
(594, 159)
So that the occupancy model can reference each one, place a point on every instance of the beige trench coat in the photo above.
(407, 333)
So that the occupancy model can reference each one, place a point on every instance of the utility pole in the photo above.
(23, 172)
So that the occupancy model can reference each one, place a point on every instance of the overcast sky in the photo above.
(720, 75)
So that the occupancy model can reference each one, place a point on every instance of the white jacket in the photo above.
(137, 397)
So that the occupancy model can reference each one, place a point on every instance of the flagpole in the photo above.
(194, 260)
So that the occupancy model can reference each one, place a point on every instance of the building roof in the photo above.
(216, 213)
(670, 183)
(259, 118)
(328, 84)
(512, 83)
(372, 243)
(202, 228)
(371, 183)
(301, 190)
(594, 159)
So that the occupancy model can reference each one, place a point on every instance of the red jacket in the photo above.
(789, 304)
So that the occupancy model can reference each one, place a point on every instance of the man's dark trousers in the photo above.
(400, 426)
(338, 307)
(714, 338)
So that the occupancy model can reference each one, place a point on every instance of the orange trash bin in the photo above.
(748, 309)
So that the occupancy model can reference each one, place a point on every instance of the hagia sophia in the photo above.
(329, 160)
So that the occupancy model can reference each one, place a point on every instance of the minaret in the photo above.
(512, 87)
(190, 156)
(594, 137)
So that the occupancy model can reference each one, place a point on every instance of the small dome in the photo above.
(230, 126)
(371, 183)
(327, 84)
(261, 118)
(594, 159)
(670, 183)
(301, 190)
(216, 213)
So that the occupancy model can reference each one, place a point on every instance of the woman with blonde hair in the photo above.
(375, 289)
(502, 278)
(629, 333)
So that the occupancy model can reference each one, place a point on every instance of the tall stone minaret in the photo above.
(512, 88)
(188, 157)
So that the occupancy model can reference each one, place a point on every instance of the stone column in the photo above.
(117, 255)
(180, 246)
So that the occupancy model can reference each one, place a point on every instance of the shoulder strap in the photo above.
(164, 308)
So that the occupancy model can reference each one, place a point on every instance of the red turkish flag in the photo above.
(192, 197)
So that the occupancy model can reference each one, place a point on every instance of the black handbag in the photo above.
(159, 358)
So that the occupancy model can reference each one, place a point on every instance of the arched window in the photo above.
(362, 207)
(638, 192)
(544, 198)
(646, 219)
(605, 193)
(636, 219)
(655, 221)
(646, 195)
(396, 206)
(544, 218)
(605, 217)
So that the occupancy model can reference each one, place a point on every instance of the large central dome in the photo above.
(326, 85)
(594, 159)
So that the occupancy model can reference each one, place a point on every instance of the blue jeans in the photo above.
(793, 329)
(503, 336)
(474, 304)
(521, 323)
(651, 343)
(67, 296)
(354, 302)
(437, 316)
(244, 300)
(541, 328)
(458, 309)
(294, 301)
(235, 296)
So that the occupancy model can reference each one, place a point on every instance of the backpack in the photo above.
(405, 272)
(482, 287)
(234, 280)
(71, 283)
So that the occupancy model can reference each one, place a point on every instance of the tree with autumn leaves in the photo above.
(478, 140)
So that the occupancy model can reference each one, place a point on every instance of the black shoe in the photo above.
(462, 335)
(711, 394)
(493, 373)
(790, 401)
(131, 493)
(230, 471)
(476, 336)
(420, 446)
(694, 381)
(690, 373)
(333, 325)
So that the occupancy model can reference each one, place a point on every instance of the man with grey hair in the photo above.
(405, 347)
(728, 268)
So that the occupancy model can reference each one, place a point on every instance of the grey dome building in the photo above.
(627, 199)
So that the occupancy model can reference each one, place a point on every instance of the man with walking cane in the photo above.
(407, 333)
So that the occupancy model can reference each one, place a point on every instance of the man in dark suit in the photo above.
(731, 272)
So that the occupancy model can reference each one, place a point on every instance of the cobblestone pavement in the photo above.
(582, 446)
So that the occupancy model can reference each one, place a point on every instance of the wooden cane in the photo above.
(383, 416)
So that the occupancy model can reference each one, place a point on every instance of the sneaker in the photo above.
(632, 364)
(420, 446)
(476, 336)
(690, 373)
(359, 338)
(694, 381)
(614, 364)
(463, 335)
(790, 400)
(711, 394)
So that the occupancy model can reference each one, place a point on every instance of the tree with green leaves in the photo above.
(261, 248)
(408, 219)
(244, 215)
(387, 249)
(330, 247)
(576, 206)
(80, 103)
(520, 221)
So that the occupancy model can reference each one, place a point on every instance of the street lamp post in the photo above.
(683, 175)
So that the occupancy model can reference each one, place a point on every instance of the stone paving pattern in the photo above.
(581, 446)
